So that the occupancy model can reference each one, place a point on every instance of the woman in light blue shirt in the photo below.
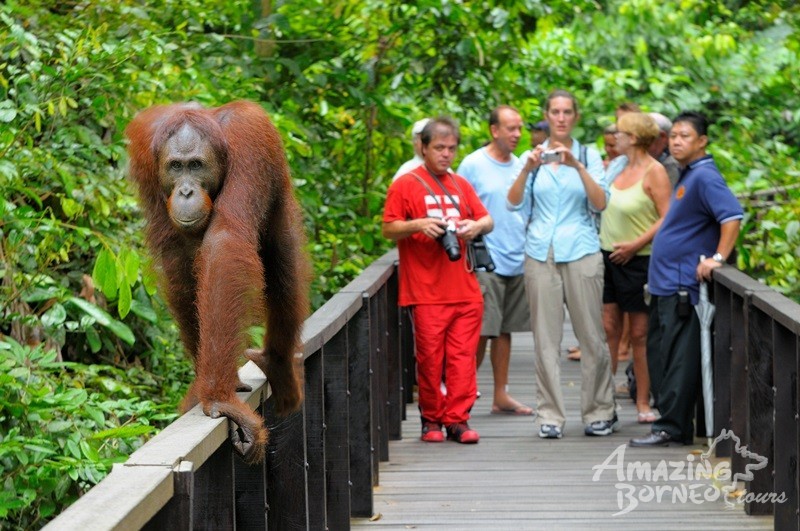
(561, 185)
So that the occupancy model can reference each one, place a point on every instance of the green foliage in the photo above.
(343, 82)
(63, 425)
(375, 67)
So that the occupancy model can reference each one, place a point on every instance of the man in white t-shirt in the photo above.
(417, 161)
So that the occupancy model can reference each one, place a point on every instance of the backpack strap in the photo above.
(595, 216)
(532, 176)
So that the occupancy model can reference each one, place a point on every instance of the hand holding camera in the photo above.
(564, 155)
(478, 257)
(550, 155)
(449, 241)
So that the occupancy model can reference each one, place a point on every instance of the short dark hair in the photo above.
(540, 126)
(561, 93)
(697, 120)
(494, 116)
(441, 125)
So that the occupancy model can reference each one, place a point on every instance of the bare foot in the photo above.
(509, 406)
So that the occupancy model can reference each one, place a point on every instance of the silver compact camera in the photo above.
(550, 155)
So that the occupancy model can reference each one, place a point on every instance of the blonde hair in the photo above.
(641, 125)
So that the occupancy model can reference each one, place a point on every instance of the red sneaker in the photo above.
(462, 433)
(432, 432)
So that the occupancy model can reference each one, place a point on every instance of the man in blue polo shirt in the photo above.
(703, 219)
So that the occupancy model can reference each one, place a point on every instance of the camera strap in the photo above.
(471, 262)
(446, 192)
(582, 158)
(470, 251)
(460, 195)
(433, 194)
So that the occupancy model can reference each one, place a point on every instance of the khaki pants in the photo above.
(579, 284)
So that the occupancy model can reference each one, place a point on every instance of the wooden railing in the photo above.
(322, 462)
(756, 356)
(765, 199)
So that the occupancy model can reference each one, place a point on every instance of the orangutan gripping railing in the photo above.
(321, 463)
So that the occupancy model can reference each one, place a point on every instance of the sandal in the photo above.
(646, 417)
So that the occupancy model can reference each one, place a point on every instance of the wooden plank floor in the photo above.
(512, 480)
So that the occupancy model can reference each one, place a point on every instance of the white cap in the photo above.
(664, 123)
(419, 126)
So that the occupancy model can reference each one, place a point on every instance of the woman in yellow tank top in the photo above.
(640, 191)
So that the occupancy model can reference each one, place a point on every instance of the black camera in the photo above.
(481, 259)
(450, 242)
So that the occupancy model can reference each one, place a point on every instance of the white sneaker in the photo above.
(549, 431)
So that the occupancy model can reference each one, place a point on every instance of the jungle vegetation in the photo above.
(90, 362)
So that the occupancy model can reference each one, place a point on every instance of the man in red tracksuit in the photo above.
(426, 209)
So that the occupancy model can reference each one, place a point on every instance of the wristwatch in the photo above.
(717, 257)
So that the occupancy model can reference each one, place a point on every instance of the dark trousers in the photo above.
(673, 359)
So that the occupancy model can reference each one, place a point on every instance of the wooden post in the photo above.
(738, 382)
(287, 506)
(377, 306)
(761, 404)
(214, 506)
(314, 407)
(785, 334)
(397, 406)
(722, 366)
(251, 494)
(363, 468)
(177, 514)
(787, 429)
(733, 293)
(409, 358)
(337, 431)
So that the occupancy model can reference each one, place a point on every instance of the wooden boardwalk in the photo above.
(512, 480)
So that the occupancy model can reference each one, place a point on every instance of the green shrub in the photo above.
(64, 424)
(343, 82)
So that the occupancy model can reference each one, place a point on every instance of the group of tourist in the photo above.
(611, 240)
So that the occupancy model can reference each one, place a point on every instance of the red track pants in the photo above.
(446, 338)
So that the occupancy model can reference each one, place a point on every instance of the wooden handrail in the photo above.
(756, 356)
(322, 462)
